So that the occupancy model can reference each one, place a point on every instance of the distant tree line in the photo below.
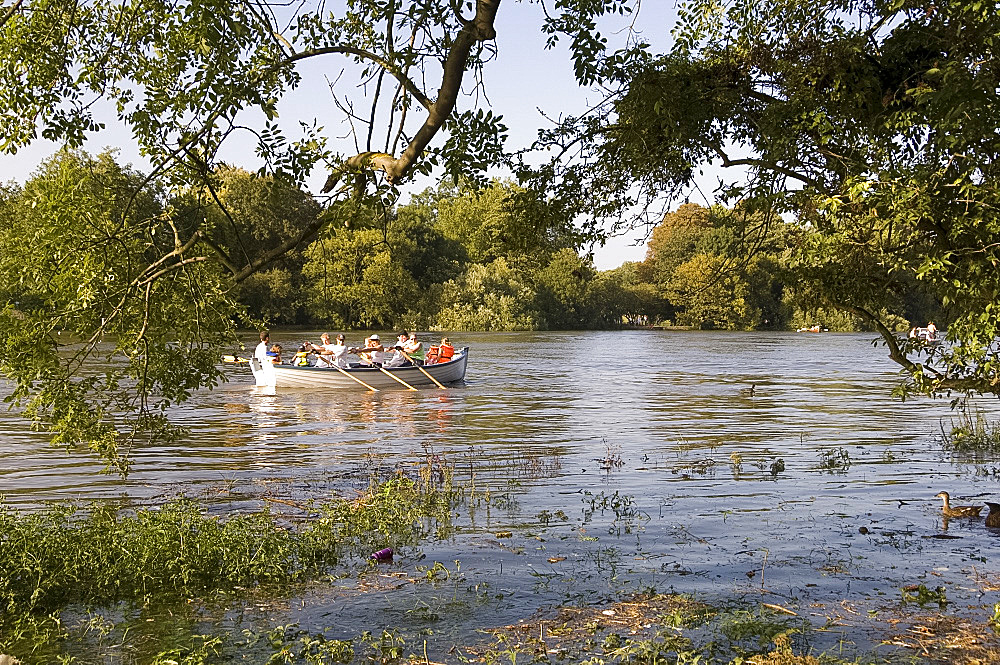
(732, 269)
(456, 257)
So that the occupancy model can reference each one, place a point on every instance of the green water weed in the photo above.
(776, 466)
(835, 461)
(438, 572)
(290, 644)
(664, 648)
(693, 616)
(753, 630)
(628, 517)
(387, 648)
(971, 432)
(104, 553)
(66, 554)
(203, 650)
(919, 594)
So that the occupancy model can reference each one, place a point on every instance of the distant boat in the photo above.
(926, 336)
(815, 328)
(361, 376)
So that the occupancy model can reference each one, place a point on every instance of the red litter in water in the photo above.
(383, 555)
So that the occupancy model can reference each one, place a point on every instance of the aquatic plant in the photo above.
(736, 461)
(782, 655)
(104, 554)
(628, 517)
(776, 466)
(612, 458)
(203, 649)
(971, 432)
(385, 648)
(751, 631)
(921, 595)
(835, 461)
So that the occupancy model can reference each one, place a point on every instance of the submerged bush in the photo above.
(971, 432)
(66, 554)
(104, 554)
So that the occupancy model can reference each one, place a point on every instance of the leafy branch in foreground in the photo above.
(107, 316)
(872, 124)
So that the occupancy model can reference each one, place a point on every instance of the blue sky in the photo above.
(524, 81)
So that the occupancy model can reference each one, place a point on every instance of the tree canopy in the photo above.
(871, 123)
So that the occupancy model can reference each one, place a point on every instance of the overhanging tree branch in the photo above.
(387, 66)
(763, 164)
(928, 378)
(10, 12)
(306, 234)
(479, 29)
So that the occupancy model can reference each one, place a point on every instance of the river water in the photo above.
(774, 467)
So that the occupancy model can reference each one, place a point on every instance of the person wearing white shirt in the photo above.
(260, 353)
(372, 353)
(330, 355)
(339, 353)
(398, 359)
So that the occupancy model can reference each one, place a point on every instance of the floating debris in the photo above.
(383, 554)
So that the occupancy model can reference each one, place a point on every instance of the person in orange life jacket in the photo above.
(445, 350)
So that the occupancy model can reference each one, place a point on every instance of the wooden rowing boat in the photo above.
(290, 376)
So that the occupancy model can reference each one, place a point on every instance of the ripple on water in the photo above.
(540, 416)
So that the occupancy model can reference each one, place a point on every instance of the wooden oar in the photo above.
(394, 377)
(426, 373)
(346, 373)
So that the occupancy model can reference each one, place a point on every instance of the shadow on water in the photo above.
(771, 467)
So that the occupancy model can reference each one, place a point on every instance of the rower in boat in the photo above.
(372, 353)
(360, 374)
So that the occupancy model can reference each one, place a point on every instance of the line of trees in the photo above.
(732, 269)
(453, 258)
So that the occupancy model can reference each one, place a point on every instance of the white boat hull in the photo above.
(289, 376)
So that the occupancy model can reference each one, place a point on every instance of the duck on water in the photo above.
(958, 511)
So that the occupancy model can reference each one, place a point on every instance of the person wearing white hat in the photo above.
(372, 353)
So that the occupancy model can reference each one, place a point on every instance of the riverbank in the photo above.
(189, 583)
